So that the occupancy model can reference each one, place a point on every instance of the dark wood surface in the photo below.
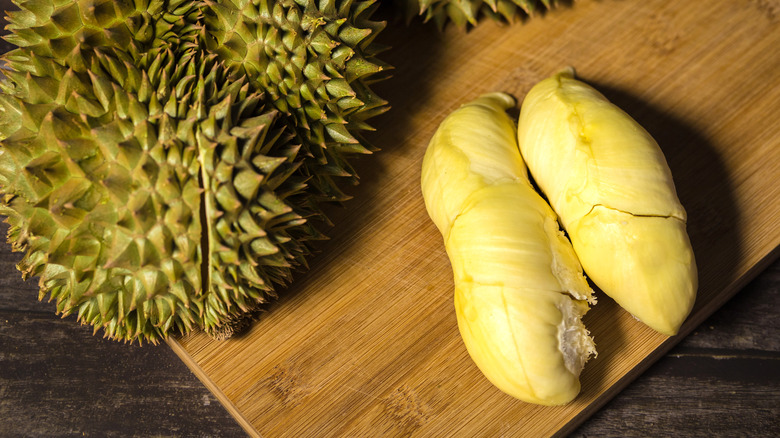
(57, 379)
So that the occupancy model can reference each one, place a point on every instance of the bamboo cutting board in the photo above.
(366, 342)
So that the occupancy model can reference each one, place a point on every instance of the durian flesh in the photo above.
(162, 162)
(609, 183)
(519, 289)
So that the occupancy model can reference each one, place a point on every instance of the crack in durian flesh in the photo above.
(124, 128)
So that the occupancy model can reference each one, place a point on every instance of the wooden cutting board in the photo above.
(366, 342)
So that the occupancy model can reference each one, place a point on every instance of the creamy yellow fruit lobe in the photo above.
(519, 289)
(609, 183)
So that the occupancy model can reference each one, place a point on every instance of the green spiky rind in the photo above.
(234, 325)
(257, 233)
(123, 149)
(100, 202)
(316, 62)
(465, 13)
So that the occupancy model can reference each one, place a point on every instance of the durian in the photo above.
(468, 12)
(520, 292)
(610, 184)
(163, 163)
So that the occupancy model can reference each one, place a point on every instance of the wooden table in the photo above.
(56, 379)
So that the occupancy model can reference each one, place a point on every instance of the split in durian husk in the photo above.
(162, 174)
(468, 12)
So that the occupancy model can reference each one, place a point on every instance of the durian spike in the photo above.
(149, 197)
(465, 13)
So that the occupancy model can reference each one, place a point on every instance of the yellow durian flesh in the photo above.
(450, 174)
(609, 183)
(519, 289)
(644, 262)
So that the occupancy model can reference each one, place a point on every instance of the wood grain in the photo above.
(721, 380)
(57, 380)
(703, 81)
(366, 343)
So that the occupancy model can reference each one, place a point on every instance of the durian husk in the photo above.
(465, 13)
(160, 176)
